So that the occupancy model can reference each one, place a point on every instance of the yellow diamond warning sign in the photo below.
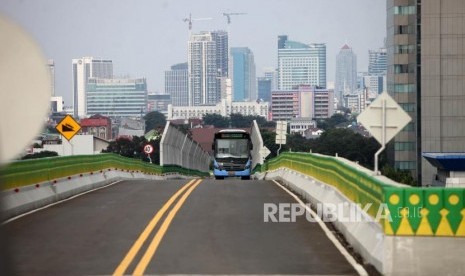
(68, 127)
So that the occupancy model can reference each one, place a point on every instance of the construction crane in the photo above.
(190, 19)
(229, 14)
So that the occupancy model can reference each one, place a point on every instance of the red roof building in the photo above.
(97, 125)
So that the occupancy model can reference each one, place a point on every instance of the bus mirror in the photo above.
(213, 146)
(251, 146)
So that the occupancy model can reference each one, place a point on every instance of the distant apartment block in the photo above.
(117, 97)
(377, 62)
(303, 101)
(300, 63)
(207, 65)
(83, 69)
(176, 84)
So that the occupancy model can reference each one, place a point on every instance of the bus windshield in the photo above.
(235, 148)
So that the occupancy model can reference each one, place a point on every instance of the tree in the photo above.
(401, 176)
(216, 120)
(332, 122)
(153, 120)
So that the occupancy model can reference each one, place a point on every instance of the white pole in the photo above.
(383, 136)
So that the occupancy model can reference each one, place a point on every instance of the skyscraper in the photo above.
(83, 69)
(264, 87)
(426, 81)
(176, 84)
(377, 62)
(51, 70)
(207, 64)
(243, 74)
(300, 63)
(346, 73)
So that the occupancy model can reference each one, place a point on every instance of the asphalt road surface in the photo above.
(171, 227)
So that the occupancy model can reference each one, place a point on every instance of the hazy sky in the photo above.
(145, 37)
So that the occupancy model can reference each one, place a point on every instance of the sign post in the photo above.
(148, 149)
(383, 118)
(68, 127)
(281, 131)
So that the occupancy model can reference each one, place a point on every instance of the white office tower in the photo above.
(300, 63)
(51, 70)
(346, 73)
(83, 69)
(207, 65)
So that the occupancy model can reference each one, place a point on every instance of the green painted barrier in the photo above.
(27, 172)
(421, 211)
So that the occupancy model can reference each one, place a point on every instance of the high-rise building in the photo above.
(264, 88)
(271, 74)
(176, 84)
(403, 80)
(51, 70)
(207, 64)
(442, 83)
(222, 54)
(300, 63)
(346, 73)
(304, 101)
(117, 97)
(426, 77)
(243, 74)
(377, 62)
(83, 69)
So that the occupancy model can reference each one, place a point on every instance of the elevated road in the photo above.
(171, 227)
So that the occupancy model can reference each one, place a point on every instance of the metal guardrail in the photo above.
(414, 211)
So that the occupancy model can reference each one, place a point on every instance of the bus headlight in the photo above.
(218, 165)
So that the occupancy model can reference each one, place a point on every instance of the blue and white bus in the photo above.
(232, 157)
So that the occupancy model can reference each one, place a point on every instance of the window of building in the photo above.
(404, 10)
(404, 29)
(404, 49)
(404, 88)
(408, 107)
(404, 146)
(404, 68)
(409, 127)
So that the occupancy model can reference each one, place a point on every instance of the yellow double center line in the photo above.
(152, 248)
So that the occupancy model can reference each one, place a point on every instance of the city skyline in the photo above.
(148, 40)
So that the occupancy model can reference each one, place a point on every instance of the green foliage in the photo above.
(216, 120)
(134, 148)
(236, 120)
(41, 154)
(402, 176)
(344, 142)
(332, 122)
(154, 120)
